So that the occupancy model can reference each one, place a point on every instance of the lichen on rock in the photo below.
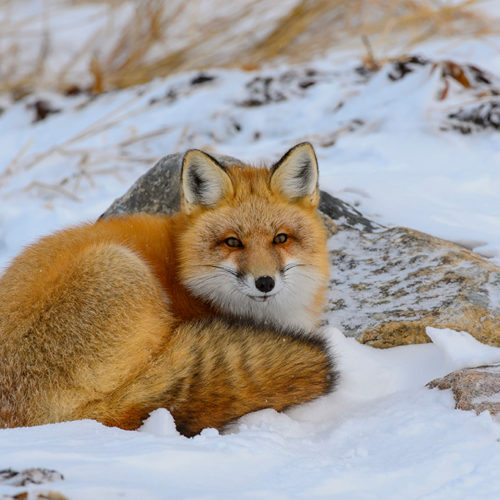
(475, 389)
(387, 286)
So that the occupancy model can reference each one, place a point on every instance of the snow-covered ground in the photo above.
(379, 143)
(381, 435)
(385, 143)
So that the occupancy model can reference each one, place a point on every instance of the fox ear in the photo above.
(204, 181)
(296, 175)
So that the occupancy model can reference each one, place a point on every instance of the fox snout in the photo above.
(264, 284)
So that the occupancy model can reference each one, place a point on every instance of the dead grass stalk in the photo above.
(146, 49)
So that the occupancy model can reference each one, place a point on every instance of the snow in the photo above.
(381, 146)
(382, 150)
(380, 435)
(462, 350)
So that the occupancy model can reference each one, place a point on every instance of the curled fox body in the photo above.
(207, 313)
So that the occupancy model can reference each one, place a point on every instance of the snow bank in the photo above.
(381, 435)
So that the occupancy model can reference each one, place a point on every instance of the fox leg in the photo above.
(214, 371)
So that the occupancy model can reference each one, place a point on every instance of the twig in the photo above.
(182, 135)
(370, 61)
(147, 135)
(9, 170)
(51, 187)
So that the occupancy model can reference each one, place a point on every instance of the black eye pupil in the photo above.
(233, 242)
(280, 238)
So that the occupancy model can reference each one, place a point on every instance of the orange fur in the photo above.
(105, 320)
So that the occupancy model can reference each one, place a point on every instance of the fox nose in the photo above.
(264, 283)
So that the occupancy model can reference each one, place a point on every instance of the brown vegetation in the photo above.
(159, 38)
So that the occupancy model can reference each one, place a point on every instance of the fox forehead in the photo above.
(256, 216)
(249, 180)
(252, 216)
(253, 206)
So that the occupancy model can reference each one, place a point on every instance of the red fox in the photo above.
(207, 313)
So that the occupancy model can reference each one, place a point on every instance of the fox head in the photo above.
(254, 245)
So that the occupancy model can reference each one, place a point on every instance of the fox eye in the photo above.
(280, 238)
(233, 242)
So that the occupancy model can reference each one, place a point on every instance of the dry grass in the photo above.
(146, 48)
(311, 28)
(88, 162)
(320, 24)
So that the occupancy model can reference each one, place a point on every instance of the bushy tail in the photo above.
(223, 370)
(213, 371)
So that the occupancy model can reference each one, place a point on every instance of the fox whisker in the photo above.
(290, 266)
(222, 268)
(305, 275)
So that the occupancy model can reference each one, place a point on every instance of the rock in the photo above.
(475, 389)
(485, 115)
(345, 215)
(25, 477)
(387, 284)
